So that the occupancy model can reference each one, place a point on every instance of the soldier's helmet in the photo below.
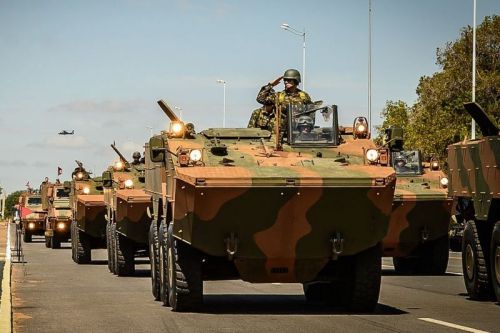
(292, 74)
(136, 155)
(305, 124)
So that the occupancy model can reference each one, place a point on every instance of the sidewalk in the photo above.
(5, 299)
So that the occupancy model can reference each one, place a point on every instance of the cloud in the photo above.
(108, 106)
(62, 142)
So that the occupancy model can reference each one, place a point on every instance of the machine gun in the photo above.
(122, 158)
(168, 111)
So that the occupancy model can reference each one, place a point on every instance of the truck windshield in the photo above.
(310, 125)
(407, 162)
(61, 193)
(34, 201)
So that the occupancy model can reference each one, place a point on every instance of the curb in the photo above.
(6, 302)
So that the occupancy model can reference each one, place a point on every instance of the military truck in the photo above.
(475, 185)
(127, 220)
(417, 239)
(31, 214)
(88, 225)
(293, 206)
(55, 201)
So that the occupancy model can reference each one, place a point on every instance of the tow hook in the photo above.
(337, 245)
(425, 234)
(231, 245)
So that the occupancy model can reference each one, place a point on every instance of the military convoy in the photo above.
(418, 230)
(475, 184)
(55, 202)
(31, 214)
(88, 226)
(300, 206)
(126, 213)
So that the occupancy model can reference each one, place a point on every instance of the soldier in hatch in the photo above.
(136, 158)
(291, 95)
(263, 118)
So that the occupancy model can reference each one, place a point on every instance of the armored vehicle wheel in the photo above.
(316, 291)
(359, 288)
(125, 265)
(185, 283)
(112, 246)
(154, 260)
(430, 259)
(163, 263)
(55, 243)
(108, 247)
(476, 272)
(82, 247)
(27, 237)
(72, 231)
(495, 260)
(47, 241)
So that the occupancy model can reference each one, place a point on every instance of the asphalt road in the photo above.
(53, 294)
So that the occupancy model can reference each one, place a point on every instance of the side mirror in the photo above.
(157, 149)
(107, 179)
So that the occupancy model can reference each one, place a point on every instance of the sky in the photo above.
(99, 67)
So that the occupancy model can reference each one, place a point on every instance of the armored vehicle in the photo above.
(31, 214)
(295, 206)
(55, 201)
(127, 220)
(88, 226)
(421, 213)
(475, 184)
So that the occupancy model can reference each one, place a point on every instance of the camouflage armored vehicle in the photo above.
(421, 213)
(31, 214)
(88, 226)
(127, 220)
(475, 184)
(296, 206)
(55, 201)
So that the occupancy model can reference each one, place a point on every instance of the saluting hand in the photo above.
(276, 82)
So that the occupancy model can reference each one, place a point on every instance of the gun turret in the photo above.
(123, 159)
(168, 111)
(487, 126)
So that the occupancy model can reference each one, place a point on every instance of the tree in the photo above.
(11, 200)
(438, 118)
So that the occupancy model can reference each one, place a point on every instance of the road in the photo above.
(53, 294)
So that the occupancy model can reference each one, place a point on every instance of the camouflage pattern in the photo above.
(31, 214)
(55, 201)
(267, 96)
(262, 119)
(277, 215)
(475, 185)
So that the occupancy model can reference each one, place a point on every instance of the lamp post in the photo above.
(287, 27)
(223, 82)
(180, 111)
(473, 125)
(370, 65)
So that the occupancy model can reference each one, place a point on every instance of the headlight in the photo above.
(434, 165)
(86, 190)
(31, 225)
(176, 128)
(61, 226)
(361, 128)
(372, 155)
(195, 155)
(119, 165)
(79, 175)
(129, 183)
(444, 181)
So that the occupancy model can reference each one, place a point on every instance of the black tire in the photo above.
(431, 258)
(316, 291)
(47, 241)
(112, 245)
(163, 263)
(475, 268)
(55, 243)
(154, 261)
(125, 250)
(27, 238)
(108, 247)
(82, 247)
(495, 260)
(359, 287)
(185, 282)
(72, 230)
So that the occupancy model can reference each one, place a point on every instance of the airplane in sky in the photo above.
(64, 132)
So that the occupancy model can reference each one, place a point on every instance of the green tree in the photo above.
(11, 200)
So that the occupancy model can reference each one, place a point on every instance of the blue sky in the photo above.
(99, 67)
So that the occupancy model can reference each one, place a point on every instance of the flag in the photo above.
(59, 171)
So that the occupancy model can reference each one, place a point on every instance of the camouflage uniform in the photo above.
(283, 98)
(262, 119)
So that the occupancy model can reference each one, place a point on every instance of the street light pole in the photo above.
(223, 82)
(287, 27)
(370, 65)
(473, 126)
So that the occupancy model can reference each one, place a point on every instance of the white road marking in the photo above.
(458, 327)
